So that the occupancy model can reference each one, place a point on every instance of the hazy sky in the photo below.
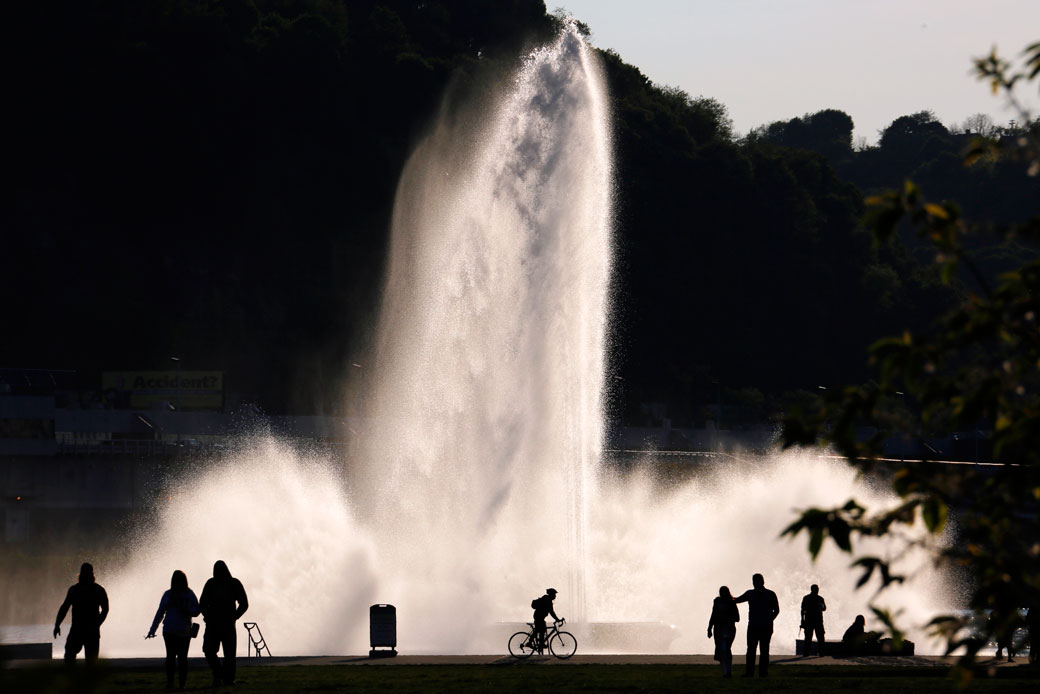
(770, 60)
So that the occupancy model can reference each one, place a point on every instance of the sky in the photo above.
(770, 60)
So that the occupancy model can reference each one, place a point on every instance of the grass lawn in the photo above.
(526, 677)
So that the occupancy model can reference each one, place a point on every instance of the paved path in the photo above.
(579, 659)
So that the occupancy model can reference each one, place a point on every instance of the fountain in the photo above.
(477, 482)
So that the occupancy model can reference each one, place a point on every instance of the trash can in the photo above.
(382, 630)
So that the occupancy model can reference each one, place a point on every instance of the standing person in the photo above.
(1004, 622)
(1033, 627)
(763, 608)
(89, 603)
(179, 605)
(813, 607)
(223, 601)
(724, 618)
(543, 607)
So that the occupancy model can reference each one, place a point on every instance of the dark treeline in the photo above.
(214, 180)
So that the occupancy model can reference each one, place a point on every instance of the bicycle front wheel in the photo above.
(563, 645)
(520, 646)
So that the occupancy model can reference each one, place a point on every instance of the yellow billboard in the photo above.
(146, 390)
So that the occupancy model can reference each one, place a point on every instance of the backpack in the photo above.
(543, 603)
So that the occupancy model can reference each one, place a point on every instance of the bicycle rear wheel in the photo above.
(563, 645)
(519, 645)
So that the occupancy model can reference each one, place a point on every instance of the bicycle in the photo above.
(524, 644)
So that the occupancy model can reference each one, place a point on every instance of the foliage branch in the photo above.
(975, 369)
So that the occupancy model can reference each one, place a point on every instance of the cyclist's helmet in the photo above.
(550, 591)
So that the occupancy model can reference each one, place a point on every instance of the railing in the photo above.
(131, 447)
(148, 448)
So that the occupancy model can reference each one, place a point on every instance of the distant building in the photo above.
(71, 458)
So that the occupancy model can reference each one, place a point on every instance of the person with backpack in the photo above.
(178, 605)
(543, 607)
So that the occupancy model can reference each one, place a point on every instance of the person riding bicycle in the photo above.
(543, 606)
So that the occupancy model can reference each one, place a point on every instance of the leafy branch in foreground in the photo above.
(976, 369)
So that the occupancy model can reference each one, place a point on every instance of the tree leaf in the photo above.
(934, 513)
(815, 542)
(937, 210)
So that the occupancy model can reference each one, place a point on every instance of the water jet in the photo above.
(479, 478)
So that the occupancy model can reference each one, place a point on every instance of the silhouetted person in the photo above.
(178, 605)
(1006, 626)
(89, 603)
(763, 608)
(813, 608)
(1033, 625)
(1004, 622)
(724, 618)
(855, 636)
(543, 607)
(223, 601)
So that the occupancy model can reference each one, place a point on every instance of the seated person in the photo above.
(855, 636)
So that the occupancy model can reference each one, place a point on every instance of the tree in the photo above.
(911, 130)
(216, 179)
(828, 132)
(973, 368)
(980, 124)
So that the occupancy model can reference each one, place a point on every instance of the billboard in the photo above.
(147, 390)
